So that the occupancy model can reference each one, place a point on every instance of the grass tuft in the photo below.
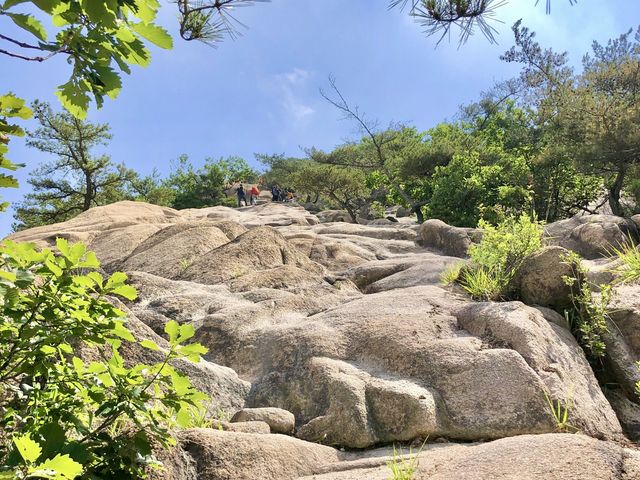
(629, 269)
(404, 466)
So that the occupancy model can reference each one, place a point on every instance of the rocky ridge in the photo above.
(349, 329)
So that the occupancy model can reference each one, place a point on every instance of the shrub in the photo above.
(499, 254)
(61, 413)
(589, 313)
(476, 186)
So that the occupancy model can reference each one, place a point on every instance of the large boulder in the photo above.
(592, 236)
(209, 454)
(623, 340)
(279, 420)
(555, 356)
(261, 248)
(450, 240)
(426, 352)
(330, 216)
(90, 224)
(400, 272)
(221, 455)
(540, 279)
(173, 249)
(113, 246)
(526, 457)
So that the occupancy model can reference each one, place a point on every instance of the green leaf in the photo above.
(126, 291)
(181, 383)
(111, 81)
(155, 34)
(8, 181)
(30, 24)
(74, 98)
(172, 328)
(150, 344)
(184, 418)
(10, 276)
(13, 106)
(123, 332)
(12, 3)
(78, 365)
(63, 246)
(47, 349)
(116, 279)
(101, 12)
(55, 269)
(60, 467)
(46, 5)
(193, 351)
(77, 252)
(28, 449)
(147, 10)
(186, 332)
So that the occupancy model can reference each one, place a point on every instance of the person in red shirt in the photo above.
(253, 193)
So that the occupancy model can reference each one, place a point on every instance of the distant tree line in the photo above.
(552, 142)
(76, 179)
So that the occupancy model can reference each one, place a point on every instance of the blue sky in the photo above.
(259, 93)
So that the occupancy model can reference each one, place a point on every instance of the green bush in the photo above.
(506, 245)
(62, 415)
(499, 254)
(472, 187)
(589, 313)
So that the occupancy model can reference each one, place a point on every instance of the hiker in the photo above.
(253, 195)
(275, 193)
(242, 197)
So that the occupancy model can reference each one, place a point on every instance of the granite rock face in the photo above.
(341, 334)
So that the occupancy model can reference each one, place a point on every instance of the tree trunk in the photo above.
(88, 195)
(419, 214)
(614, 193)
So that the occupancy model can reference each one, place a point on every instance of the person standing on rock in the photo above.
(253, 195)
(242, 197)
(275, 193)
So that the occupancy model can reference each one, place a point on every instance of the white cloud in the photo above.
(296, 76)
(290, 87)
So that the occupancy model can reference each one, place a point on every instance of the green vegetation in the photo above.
(75, 180)
(403, 467)
(100, 39)
(497, 257)
(69, 401)
(629, 256)
(451, 273)
(205, 187)
(483, 283)
(553, 141)
(10, 107)
(589, 313)
(560, 413)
